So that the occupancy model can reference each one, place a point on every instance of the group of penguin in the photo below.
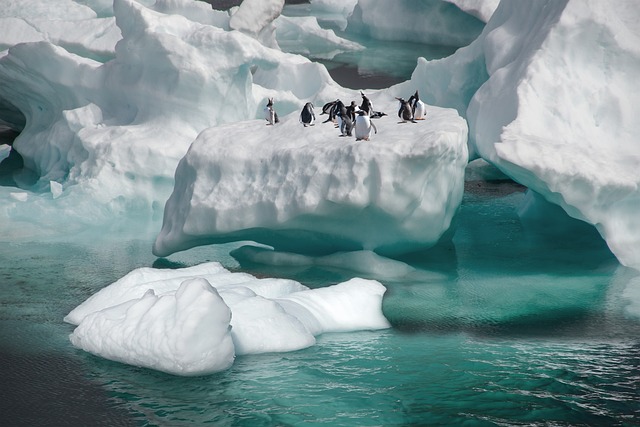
(353, 118)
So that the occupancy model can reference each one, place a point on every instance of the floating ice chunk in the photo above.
(186, 333)
(287, 186)
(153, 317)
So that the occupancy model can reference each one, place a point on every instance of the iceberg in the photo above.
(195, 320)
(308, 190)
(548, 93)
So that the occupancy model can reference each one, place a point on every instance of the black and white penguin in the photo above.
(270, 113)
(405, 112)
(346, 116)
(366, 104)
(417, 107)
(363, 126)
(307, 116)
(328, 109)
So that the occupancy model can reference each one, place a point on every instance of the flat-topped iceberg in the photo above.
(195, 320)
(309, 190)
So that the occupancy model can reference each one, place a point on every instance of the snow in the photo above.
(285, 184)
(195, 320)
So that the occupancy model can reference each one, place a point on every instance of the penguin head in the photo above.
(269, 102)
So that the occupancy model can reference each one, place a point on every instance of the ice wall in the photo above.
(549, 94)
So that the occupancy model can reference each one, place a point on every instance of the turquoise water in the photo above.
(505, 325)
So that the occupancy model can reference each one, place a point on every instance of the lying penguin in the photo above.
(367, 106)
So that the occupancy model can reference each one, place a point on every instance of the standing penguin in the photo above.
(366, 104)
(363, 126)
(307, 117)
(405, 112)
(270, 113)
(418, 107)
(345, 119)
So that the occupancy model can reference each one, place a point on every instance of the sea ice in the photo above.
(186, 333)
(192, 321)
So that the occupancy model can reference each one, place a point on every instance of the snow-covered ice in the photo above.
(193, 321)
(309, 190)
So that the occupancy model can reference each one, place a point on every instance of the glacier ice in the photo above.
(195, 320)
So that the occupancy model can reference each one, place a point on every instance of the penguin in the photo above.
(327, 109)
(366, 104)
(307, 116)
(336, 112)
(418, 107)
(345, 118)
(404, 112)
(270, 113)
(363, 126)
(332, 108)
